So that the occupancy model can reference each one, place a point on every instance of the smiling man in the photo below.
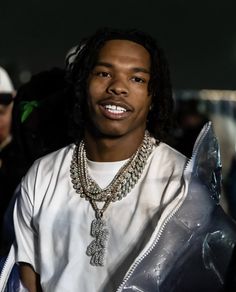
(118, 100)
(115, 210)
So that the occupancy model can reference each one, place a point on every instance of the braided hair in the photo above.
(160, 115)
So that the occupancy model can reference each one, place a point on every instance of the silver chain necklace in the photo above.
(120, 186)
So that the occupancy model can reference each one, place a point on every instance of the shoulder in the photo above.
(169, 156)
(166, 162)
(49, 165)
(50, 160)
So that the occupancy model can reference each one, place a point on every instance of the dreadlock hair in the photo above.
(160, 115)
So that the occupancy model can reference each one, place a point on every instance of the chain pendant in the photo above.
(97, 248)
(122, 183)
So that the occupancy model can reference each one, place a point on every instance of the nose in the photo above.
(117, 87)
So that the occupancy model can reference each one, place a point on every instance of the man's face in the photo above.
(5, 120)
(117, 89)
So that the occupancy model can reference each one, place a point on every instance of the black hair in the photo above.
(160, 115)
(41, 115)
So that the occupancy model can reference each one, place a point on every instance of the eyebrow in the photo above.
(135, 69)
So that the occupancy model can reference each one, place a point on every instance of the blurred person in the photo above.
(6, 104)
(189, 122)
(40, 125)
(10, 164)
(119, 209)
(41, 114)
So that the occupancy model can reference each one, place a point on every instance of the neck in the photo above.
(108, 149)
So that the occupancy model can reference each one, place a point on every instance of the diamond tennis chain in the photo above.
(120, 186)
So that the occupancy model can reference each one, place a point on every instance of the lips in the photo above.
(115, 110)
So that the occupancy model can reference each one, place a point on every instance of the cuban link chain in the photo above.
(120, 186)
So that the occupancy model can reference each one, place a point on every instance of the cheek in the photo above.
(146, 101)
(146, 106)
(96, 88)
(95, 92)
(142, 92)
(92, 95)
(5, 120)
(9, 119)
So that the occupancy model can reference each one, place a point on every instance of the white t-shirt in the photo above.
(104, 172)
(52, 222)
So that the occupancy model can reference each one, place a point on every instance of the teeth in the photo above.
(115, 109)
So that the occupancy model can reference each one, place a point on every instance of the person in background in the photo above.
(189, 122)
(40, 120)
(10, 165)
(41, 114)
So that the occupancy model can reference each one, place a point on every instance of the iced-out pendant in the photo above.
(97, 248)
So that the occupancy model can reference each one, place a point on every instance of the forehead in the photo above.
(126, 50)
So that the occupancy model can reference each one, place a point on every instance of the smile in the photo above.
(114, 109)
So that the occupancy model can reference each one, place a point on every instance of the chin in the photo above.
(107, 130)
(111, 133)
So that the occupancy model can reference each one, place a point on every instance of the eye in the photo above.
(103, 74)
(138, 79)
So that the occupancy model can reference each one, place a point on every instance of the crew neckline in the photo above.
(105, 166)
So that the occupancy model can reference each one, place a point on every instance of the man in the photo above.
(40, 112)
(6, 104)
(105, 213)
(10, 166)
(38, 128)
